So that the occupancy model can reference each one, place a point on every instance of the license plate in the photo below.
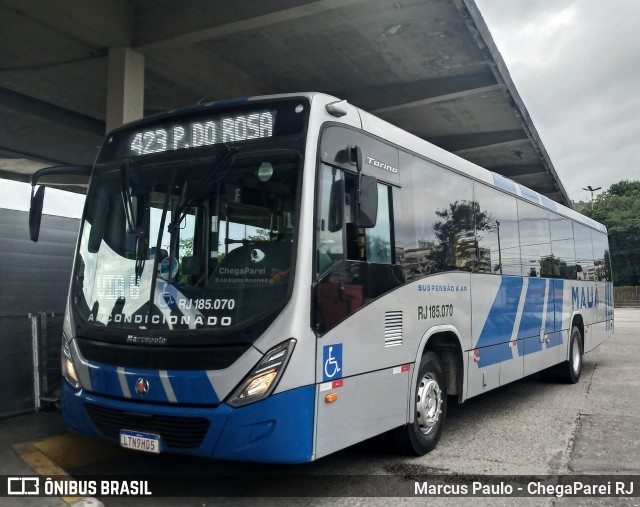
(146, 442)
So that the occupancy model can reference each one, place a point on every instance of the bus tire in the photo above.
(570, 370)
(421, 436)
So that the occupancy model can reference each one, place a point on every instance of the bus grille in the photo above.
(392, 328)
(175, 432)
(161, 358)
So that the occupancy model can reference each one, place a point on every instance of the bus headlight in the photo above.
(68, 369)
(263, 379)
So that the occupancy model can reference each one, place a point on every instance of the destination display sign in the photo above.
(177, 133)
(203, 132)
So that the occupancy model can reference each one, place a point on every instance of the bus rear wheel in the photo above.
(430, 398)
(570, 370)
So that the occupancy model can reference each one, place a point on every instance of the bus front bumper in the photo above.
(277, 429)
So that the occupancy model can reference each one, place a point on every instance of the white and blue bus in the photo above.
(277, 278)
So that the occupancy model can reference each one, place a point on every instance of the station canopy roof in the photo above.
(428, 66)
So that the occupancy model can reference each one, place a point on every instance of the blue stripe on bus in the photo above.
(529, 194)
(531, 321)
(555, 339)
(104, 380)
(192, 387)
(555, 333)
(606, 305)
(188, 387)
(500, 323)
(558, 296)
(549, 326)
(608, 291)
(504, 183)
(156, 389)
(278, 428)
(498, 328)
(552, 205)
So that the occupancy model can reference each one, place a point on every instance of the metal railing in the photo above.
(46, 335)
(30, 362)
(627, 296)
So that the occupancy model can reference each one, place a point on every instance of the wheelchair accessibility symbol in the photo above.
(332, 362)
(165, 298)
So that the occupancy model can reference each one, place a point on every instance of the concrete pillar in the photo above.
(125, 87)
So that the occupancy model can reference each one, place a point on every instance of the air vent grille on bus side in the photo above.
(161, 358)
(392, 328)
(176, 432)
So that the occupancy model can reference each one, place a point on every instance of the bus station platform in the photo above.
(590, 428)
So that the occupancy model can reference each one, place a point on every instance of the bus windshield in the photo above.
(204, 243)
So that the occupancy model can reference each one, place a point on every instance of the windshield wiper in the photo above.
(139, 230)
(156, 257)
(125, 190)
(219, 167)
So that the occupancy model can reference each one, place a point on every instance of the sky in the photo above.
(576, 66)
(16, 195)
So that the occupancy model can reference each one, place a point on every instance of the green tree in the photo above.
(619, 210)
(186, 247)
(456, 232)
(260, 235)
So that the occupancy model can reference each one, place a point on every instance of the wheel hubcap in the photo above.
(428, 404)
(575, 358)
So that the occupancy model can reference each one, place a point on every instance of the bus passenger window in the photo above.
(585, 265)
(496, 225)
(563, 254)
(535, 244)
(601, 257)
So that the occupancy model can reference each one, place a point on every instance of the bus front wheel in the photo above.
(430, 399)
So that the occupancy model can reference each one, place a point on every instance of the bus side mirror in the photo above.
(73, 175)
(336, 206)
(35, 212)
(364, 207)
(364, 204)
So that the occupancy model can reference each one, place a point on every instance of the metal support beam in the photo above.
(158, 29)
(8, 175)
(125, 87)
(57, 115)
(543, 183)
(478, 140)
(463, 94)
(206, 73)
(479, 30)
(85, 22)
(381, 98)
(513, 171)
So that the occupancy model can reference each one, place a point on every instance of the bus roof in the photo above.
(385, 130)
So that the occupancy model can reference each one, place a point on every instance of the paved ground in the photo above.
(529, 427)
